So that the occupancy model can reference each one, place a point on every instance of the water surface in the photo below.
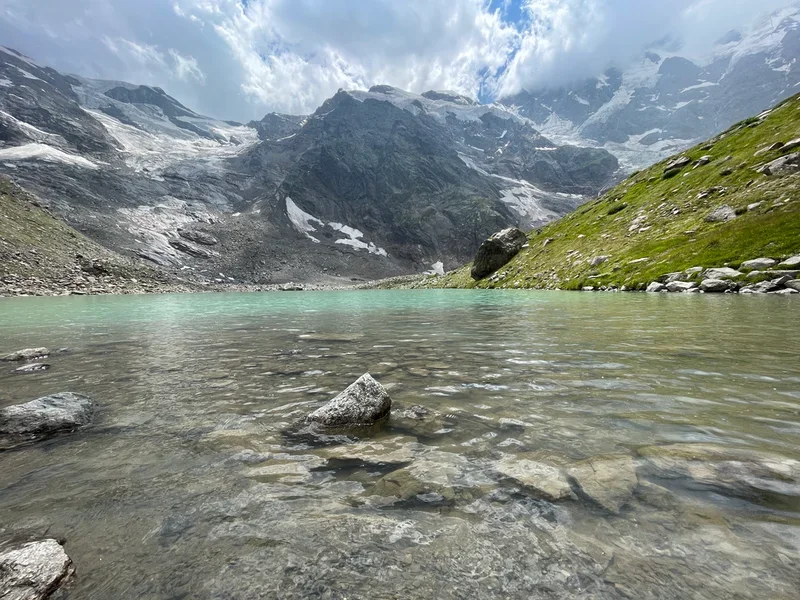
(191, 485)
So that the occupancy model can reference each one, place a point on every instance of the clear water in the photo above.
(188, 486)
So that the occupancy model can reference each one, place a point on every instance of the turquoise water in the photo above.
(191, 485)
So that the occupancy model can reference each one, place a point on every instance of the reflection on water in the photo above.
(189, 486)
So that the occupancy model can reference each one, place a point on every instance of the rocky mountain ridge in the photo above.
(372, 184)
(667, 102)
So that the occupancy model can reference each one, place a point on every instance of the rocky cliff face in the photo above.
(372, 184)
(667, 102)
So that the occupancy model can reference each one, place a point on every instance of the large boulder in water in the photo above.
(34, 570)
(364, 402)
(497, 251)
(44, 417)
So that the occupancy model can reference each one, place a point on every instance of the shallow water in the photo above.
(191, 484)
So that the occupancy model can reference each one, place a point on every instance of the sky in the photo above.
(239, 59)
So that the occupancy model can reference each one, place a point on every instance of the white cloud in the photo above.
(242, 58)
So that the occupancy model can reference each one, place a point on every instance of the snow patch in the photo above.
(699, 86)
(354, 239)
(301, 219)
(437, 268)
(45, 153)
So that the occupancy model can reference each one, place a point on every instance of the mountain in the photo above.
(720, 205)
(372, 184)
(667, 102)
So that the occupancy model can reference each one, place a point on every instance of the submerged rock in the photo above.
(44, 417)
(607, 481)
(31, 368)
(547, 481)
(34, 570)
(497, 251)
(737, 471)
(26, 354)
(363, 402)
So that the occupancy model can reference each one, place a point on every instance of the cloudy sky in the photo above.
(238, 59)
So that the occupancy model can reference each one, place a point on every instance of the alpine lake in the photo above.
(541, 445)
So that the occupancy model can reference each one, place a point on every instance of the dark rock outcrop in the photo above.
(497, 251)
(198, 237)
(364, 402)
(34, 570)
(44, 417)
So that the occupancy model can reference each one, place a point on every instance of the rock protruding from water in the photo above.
(364, 402)
(496, 251)
(34, 570)
(44, 417)
(26, 354)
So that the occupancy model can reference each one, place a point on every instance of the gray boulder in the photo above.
(793, 261)
(758, 264)
(794, 284)
(785, 165)
(364, 402)
(44, 417)
(721, 273)
(675, 166)
(721, 214)
(656, 287)
(26, 354)
(715, 286)
(34, 570)
(681, 286)
(497, 251)
(598, 260)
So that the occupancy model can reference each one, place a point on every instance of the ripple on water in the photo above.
(193, 482)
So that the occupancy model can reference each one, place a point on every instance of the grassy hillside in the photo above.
(41, 255)
(654, 222)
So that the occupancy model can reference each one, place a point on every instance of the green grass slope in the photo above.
(655, 223)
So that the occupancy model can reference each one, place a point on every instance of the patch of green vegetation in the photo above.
(649, 226)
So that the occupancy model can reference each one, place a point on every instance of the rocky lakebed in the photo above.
(401, 444)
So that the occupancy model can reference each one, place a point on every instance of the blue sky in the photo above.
(238, 59)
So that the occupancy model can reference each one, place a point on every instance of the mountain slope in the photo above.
(41, 255)
(372, 184)
(714, 206)
(667, 102)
